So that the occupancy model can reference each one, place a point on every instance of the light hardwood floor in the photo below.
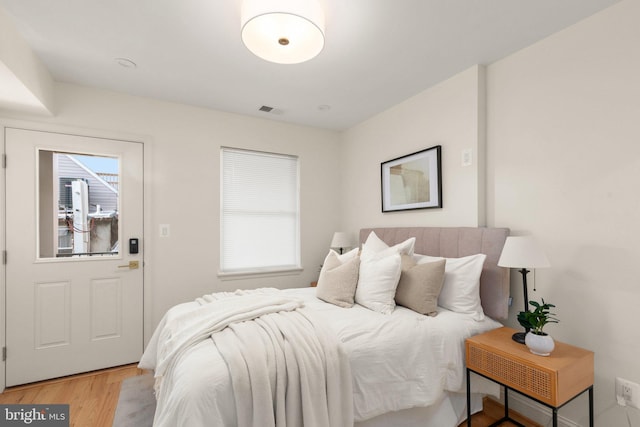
(92, 398)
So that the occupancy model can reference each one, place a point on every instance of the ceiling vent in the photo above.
(267, 109)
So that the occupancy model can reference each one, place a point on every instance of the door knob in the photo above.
(132, 265)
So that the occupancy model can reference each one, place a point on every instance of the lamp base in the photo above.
(519, 337)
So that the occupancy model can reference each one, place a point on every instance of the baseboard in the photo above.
(536, 412)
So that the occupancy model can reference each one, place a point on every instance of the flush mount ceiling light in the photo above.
(283, 31)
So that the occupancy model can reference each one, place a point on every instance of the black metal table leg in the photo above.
(554, 409)
(468, 398)
(506, 402)
(591, 406)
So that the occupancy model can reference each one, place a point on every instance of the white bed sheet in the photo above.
(402, 360)
(450, 411)
(398, 361)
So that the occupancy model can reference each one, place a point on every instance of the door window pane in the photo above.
(78, 205)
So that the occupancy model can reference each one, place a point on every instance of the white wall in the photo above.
(564, 165)
(26, 84)
(182, 145)
(449, 115)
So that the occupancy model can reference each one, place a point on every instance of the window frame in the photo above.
(267, 271)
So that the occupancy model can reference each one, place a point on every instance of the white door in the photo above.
(74, 294)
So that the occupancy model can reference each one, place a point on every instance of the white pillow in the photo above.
(378, 280)
(374, 245)
(461, 289)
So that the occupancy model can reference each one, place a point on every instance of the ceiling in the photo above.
(377, 52)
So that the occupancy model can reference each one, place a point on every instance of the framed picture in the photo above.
(413, 181)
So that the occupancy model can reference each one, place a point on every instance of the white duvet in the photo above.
(398, 361)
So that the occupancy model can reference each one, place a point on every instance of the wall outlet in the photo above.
(627, 393)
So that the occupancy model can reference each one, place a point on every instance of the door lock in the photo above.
(131, 266)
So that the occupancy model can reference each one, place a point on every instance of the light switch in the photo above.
(165, 230)
(467, 157)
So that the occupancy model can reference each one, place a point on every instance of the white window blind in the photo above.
(260, 212)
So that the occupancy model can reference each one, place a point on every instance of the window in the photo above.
(260, 212)
(78, 207)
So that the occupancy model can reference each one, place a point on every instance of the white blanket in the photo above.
(285, 369)
(398, 361)
(402, 360)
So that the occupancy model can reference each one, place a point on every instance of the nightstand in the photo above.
(552, 381)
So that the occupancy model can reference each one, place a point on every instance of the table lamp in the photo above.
(522, 252)
(341, 240)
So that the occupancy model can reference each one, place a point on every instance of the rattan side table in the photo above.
(552, 381)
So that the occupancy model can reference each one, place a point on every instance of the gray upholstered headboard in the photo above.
(455, 242)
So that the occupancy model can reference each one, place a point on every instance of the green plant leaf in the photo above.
(538, 317)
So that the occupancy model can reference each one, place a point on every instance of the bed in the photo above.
(376, 366)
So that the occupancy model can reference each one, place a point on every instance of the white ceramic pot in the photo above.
(542, 345)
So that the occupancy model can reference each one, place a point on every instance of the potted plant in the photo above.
(534, 321)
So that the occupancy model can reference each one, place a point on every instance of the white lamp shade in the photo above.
(522, 252)
(341, 239)
(283, 31)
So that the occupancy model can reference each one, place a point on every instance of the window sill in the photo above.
(239, 275)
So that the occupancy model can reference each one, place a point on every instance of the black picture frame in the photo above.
(413, 181)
